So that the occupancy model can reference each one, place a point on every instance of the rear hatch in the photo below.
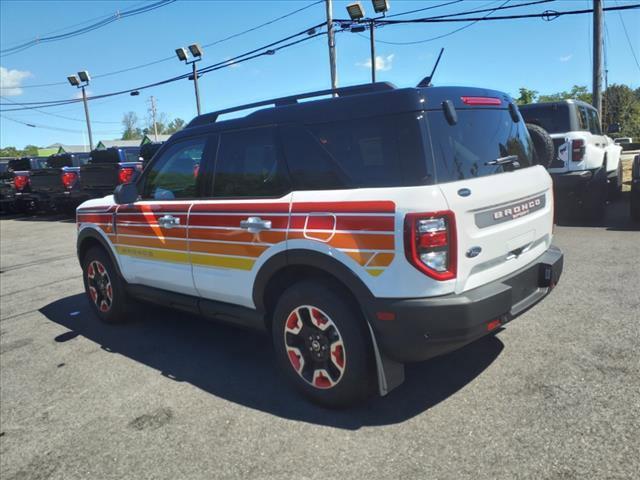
(503, 213)
(101, 172)
(46, 181)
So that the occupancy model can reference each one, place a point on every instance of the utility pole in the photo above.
(332, 44)
(597, 56)
(86, 114)
(195, 84)
(372, 29)
(153, 117)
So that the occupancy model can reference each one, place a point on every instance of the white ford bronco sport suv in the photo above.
(587, 163)
(379, 227)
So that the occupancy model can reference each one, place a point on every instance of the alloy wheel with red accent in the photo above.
(100, 288)
(314, 346)
(322, 343)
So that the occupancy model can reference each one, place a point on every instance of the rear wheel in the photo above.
(615, 183)
(594, 200)
(104, 287)
(322, 345)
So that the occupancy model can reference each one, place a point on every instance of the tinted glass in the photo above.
(249, 164)
(462, 150)
(109, 155)
(594, 122)
(554, 118)
(3, 167)
(175, 173)
(372, 152)
(583, 119)
(131, 154)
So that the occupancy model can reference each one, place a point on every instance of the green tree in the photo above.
(30, 150)
(526, 96)
(175, 125)
(622, 105)
(130, 123)
(577, 92)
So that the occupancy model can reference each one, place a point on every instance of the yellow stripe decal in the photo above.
(374, 272)
(162, 255)
(223, 262)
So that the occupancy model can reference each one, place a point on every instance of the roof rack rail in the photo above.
(293, 99)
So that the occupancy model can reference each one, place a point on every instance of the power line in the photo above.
(624, 27)
(164, 59)
(55, 114)
(94, 26)
(35, 125)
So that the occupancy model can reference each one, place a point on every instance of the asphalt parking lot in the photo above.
(556, 395)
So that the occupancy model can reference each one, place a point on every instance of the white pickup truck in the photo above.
(586, 164)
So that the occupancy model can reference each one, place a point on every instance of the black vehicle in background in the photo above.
(51, 186)
(148, 150)
(105, 170)
(7, 192)
(635, 189)
(21, 169)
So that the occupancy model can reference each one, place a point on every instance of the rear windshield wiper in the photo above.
(508, 160)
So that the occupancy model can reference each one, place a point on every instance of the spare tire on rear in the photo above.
(542, 144)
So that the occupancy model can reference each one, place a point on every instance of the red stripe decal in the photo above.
(241, 207)
(345, 207)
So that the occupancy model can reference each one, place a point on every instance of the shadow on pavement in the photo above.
(617, 216)
(239, 366)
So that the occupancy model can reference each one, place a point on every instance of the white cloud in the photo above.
(383, 63)
(566, 58)
(10, 81)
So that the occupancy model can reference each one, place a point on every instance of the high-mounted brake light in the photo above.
(430, 243)
(69, 179)
(20, 182)
(125, 175)
(481, 101)
(577, 150)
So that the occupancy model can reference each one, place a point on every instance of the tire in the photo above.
(322, 345)
(614, 186)
(542, 145)
(104, 288)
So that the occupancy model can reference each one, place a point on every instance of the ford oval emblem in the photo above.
(464, 192)
(473, 252)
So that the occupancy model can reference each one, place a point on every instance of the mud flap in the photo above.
(390, 373)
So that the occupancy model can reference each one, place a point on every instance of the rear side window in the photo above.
(583, 119)
(249, 164)
(554, 118)
(462, 150)
(594, 122)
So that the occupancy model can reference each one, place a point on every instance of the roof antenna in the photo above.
(426, 81)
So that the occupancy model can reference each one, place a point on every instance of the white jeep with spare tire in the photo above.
(586, 163)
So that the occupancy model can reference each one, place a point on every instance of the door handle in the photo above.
(168, 221)
(255, 224)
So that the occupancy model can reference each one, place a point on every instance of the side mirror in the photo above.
(125, 193)
(614, 128)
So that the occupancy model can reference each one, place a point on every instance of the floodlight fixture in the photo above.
(84, 76)
(73, 80)
(182, 54)
(355, 10)
(380, 6)
(195, 50)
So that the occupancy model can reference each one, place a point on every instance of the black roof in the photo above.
(568, 101)
(349, 103)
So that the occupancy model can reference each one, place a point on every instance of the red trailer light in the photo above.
(69, 179)
(125, 175)
(20, 182)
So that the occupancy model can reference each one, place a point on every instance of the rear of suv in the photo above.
(379, 227)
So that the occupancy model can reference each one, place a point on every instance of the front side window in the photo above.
(249, 164)
(174, 175)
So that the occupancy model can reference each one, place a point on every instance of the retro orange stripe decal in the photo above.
(148, 230)
(234, 220)
(241, 207)
(356, 241)
(326, 222)
(344, 207)
(381, 260)
(236, 235)
(153, 242)
(227, 248)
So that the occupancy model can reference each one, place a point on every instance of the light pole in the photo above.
(81, 81)
(196, 54)
(356, 13)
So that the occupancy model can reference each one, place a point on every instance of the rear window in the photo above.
(554, 118)
(364, 153)
(132, 154)
(105, 156)
(462, 151)
(59, 161)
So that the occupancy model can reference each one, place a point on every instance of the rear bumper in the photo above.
(572, 180)
(427, 327)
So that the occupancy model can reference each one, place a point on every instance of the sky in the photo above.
(502, 55)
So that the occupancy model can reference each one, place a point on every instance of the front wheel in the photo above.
(322, 344)
(104, 287)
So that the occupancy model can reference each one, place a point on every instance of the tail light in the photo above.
(69, 179)
(20, 181)
(125, 175)
(430, 243)
(577, 150)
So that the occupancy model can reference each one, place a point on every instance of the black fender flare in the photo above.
(92, 233)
